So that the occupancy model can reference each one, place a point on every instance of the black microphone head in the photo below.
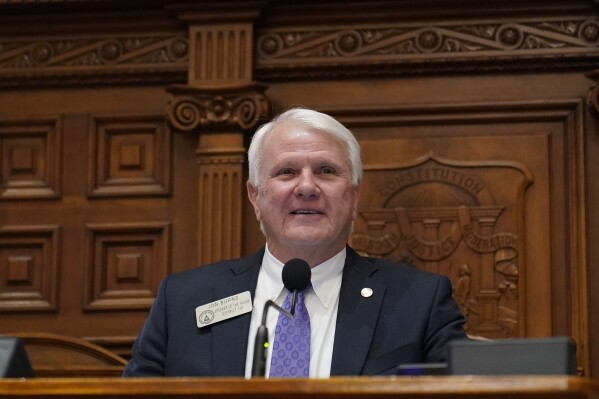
(296, 274)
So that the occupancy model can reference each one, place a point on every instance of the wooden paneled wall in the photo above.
(124, 126)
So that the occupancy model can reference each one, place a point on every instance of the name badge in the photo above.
(223, 309)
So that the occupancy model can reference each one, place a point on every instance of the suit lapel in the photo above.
(230, 337)
(357, 315)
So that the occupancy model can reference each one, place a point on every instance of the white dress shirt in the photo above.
(322, 301)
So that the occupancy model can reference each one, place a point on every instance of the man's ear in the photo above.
(252, 194)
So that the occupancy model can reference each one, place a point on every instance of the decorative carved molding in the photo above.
(29, 257)
(217, 108)
(92, 52)
(126, 263)
(30, 150)
(129, 156)
(418, 46)
(81, 59)
(223, 51)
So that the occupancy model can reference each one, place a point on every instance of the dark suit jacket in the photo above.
(410, 318)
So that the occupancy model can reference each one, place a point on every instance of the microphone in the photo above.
(296, 276)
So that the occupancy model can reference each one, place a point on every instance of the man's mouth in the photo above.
(306, 212)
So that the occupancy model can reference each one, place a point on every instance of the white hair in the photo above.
(314, 120)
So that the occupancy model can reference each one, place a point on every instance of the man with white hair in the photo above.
(363, 316)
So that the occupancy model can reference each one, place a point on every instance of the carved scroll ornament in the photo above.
(193, 108)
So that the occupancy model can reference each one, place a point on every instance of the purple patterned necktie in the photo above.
(291, 350)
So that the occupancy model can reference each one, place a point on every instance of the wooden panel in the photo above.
(30, 166)
(129, 156)
(136, 241)
(29, 268)
(126, 264)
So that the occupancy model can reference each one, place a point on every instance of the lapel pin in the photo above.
(366, 292)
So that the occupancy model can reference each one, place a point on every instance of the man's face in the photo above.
(305, 200)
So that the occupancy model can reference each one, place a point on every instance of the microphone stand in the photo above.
(261, 342)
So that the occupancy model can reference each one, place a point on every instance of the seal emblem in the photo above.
(206, 317)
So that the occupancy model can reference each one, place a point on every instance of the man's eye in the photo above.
(327, 170)
(285, 172)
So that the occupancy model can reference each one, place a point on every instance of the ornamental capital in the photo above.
(217, 107)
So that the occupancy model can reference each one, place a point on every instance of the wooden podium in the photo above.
(453, 387)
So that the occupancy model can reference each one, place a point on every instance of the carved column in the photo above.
(220, 103)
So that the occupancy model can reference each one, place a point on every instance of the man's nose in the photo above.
(307, 184)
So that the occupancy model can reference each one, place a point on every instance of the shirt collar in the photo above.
(326, 277)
